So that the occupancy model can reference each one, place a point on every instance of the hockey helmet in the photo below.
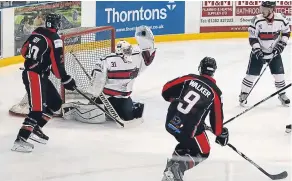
(53, 21)
(124, 49)
(207, 66)
(267, 7)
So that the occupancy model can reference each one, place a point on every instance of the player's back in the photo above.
(193, 98)
(37, 48)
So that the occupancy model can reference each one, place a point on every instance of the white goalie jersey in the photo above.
(114, 75)
(119, 75)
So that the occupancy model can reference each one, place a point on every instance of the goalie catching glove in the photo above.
(144, 37)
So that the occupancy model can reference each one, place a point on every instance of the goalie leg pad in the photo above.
(85, 113)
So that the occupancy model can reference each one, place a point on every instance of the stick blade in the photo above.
(279, 176)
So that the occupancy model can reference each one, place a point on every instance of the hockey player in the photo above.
(43, 52)
(192, 97)
(268, 37)
(114, 77)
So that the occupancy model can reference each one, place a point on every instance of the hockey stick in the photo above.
(270, 96)
(259, 78)
(102, 97)
(80, 65)
(279, 176)
(107, 113)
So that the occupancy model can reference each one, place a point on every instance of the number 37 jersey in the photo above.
(43, 51)
(192, 98)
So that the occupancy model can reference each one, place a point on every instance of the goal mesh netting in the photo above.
(86, 45)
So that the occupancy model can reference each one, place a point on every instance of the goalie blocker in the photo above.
(114, 76)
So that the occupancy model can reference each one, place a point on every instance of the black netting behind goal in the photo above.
(83, 47)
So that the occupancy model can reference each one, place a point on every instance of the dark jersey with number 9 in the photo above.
(192, 98)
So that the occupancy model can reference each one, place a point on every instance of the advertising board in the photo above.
(163, 17)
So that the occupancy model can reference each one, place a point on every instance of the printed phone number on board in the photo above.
(229, 20)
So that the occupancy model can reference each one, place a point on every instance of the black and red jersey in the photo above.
(192, 98)
(43, 51)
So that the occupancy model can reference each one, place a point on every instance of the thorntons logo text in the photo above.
(217, 3)
(115, 16)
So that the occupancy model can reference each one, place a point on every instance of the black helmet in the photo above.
(269, 4)
(53, 21)
(207, 66)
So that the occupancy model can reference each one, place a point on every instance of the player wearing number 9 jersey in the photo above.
(192, 98)
(43, 51)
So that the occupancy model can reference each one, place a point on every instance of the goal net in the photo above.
(81, 45)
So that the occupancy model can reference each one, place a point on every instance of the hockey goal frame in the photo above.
(93, 30)
(65, 36)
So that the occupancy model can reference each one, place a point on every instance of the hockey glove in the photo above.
(279, 48)
(144, 37)
(68, 83)
(258, 53)
(223, 138)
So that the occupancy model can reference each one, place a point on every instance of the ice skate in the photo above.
(21, 145)
(242, 98)
(284, 99)
(39, 136)
(172, 172)
(288, 128)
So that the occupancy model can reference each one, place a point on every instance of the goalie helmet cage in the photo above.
(87, 45)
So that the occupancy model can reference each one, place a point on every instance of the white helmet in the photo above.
(124, 49)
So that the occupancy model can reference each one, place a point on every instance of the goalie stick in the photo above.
(111, 111)
(248, 109)
(279, 176)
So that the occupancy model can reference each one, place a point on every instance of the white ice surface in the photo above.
(78, 151)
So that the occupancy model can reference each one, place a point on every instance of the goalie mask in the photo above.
(124, 49)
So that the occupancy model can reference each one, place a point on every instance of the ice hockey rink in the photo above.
(78, 151)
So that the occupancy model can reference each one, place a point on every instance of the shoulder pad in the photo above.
(109, 56)
(253, 20)
(257, 18)
(284, 16)
(281, 16)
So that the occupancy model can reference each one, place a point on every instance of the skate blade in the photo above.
(22, 149)
(38, 139)
(242, 104)
(285, 105)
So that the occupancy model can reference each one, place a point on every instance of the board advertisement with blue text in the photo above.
(163, 17)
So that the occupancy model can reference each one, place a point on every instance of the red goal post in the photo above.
(88, 45)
